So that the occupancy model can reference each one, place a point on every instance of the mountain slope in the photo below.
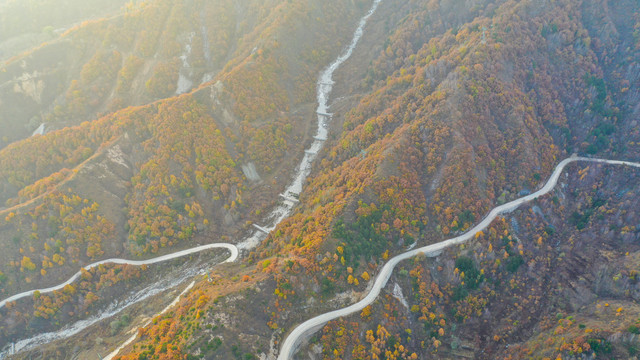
(150, 178)
(451, 122)
(445, 110)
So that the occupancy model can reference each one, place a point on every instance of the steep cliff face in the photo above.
(445, 110)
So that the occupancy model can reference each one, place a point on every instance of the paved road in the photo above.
(232, 248)
(310, 326)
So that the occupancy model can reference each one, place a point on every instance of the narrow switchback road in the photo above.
(307, 328)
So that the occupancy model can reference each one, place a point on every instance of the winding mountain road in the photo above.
(304, 330)
(324, 89)
(310, 326)
(232, 248)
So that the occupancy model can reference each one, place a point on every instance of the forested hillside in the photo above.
(445, 110)
(464, 108)
(157, 49)
(149, 179)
